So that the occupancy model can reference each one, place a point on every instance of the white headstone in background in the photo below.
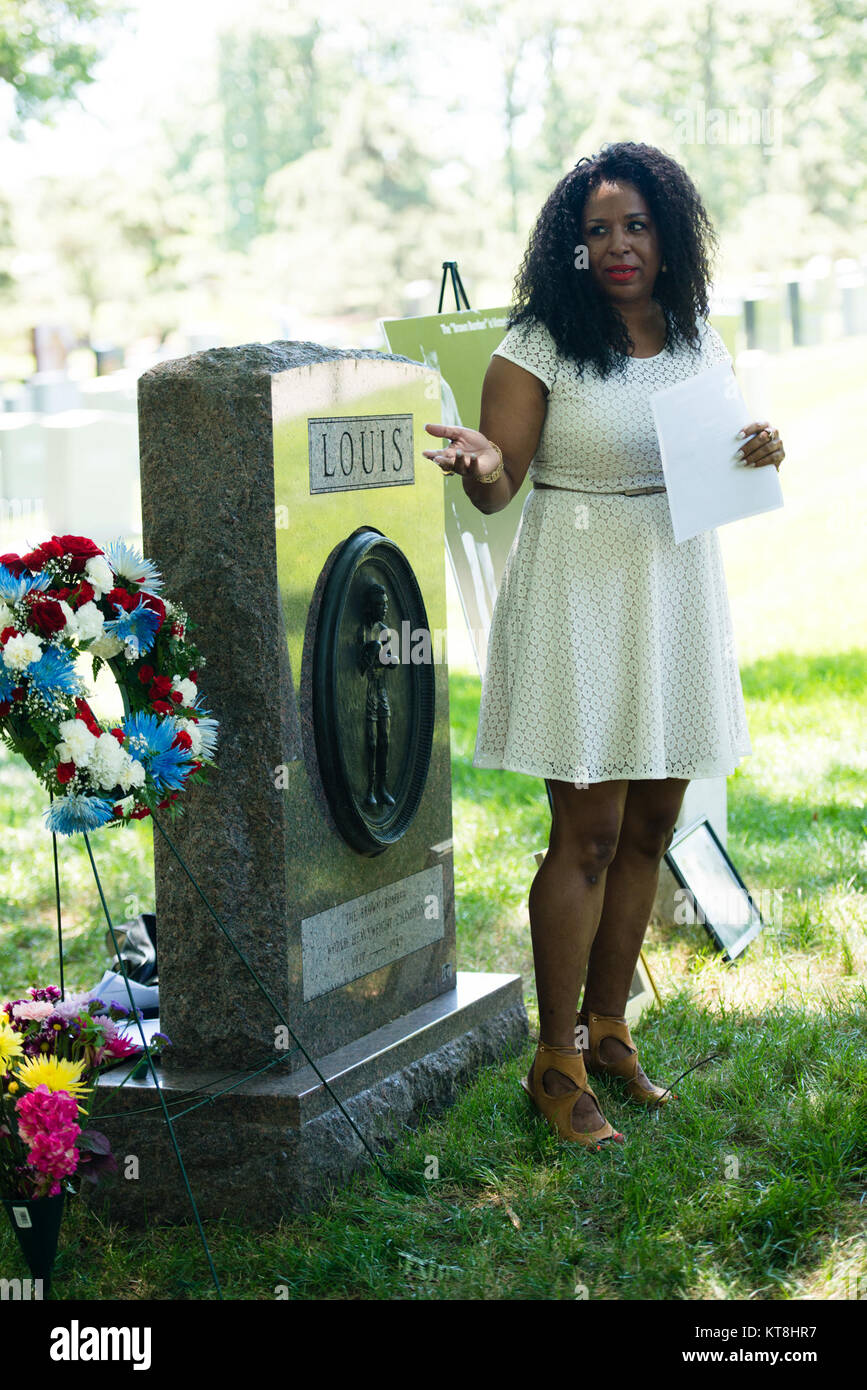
(91, 474)
(117, 391)
(706, 796)
(22, 451)
(53, 391)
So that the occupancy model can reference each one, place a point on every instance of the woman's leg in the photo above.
(646, 830)
(566, 898)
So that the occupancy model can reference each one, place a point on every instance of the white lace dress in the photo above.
(611, 653)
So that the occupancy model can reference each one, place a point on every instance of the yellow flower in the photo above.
(56, 1073)
(10, 1046)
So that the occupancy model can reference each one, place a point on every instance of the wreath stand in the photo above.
(135, 1065)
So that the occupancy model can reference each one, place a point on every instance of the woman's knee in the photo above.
(648, 835)
(587, 828)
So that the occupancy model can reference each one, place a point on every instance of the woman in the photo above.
(611, 665)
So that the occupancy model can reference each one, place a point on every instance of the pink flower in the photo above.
(39, 1009)
(107, 1024)
(120, 1046)
(46, 1123)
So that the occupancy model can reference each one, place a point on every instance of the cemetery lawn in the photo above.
(750, 1184)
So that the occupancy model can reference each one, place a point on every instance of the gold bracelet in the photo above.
(498, 471)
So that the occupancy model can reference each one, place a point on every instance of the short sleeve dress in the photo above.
(611, 651)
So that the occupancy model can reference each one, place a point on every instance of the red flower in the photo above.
(118, 734)
(162, 707)
(122, 597)
(6, 634)
(161, 686)
(13, 563)
(77, 545)
(47, 615)
(61, 593)
(146, 674)
(182, 739)
(18, 692)
(85, 714)
(176, 696)
(139, 812)
(78, 548)
(5, 707)
(48, 550)
(82, 593)
(65, 772)
(194, 677)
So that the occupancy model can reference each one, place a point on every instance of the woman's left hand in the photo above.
(765, 446)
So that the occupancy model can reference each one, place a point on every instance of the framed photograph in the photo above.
(712, 891)
(642, 991)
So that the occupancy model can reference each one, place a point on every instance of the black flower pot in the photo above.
(36, 1223)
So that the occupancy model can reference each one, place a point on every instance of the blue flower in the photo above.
(169, 770)
(128, 564)
(150, 741)
(147, 734)
(55, 674)
(72, 814)
(138, 628)
(13, 588)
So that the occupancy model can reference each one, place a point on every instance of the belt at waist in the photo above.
(615, 492)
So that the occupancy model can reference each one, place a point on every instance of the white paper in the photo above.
(696, 423)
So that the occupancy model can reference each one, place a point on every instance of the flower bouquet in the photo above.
(51, 1052)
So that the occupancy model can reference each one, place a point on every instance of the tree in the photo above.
(48, 49)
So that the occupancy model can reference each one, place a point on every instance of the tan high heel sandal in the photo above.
(558, 1109)
(601, 1026)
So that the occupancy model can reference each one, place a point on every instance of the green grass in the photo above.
(751, 1184)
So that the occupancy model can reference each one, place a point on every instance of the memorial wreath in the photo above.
(68, 597)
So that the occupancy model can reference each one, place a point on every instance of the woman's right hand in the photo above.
(467, 452)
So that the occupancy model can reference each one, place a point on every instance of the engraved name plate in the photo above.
(354, 451)
(350, 940)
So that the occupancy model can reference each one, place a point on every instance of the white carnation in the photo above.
(135, 774)
(21, 651)
(186, 688)
(89, 622)
(131, 772)
(7, 618)
(98, 573)
(106, 762)
(78, 742)
(106, 646)
(71, 630)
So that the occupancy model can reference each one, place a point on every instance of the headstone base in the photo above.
(278, 1143)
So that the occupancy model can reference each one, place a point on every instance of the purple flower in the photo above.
(48, 995)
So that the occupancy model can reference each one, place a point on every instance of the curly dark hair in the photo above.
(584, 324)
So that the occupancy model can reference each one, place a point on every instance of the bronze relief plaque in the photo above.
(373, 691)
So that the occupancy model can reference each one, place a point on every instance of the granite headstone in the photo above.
(283, 500)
